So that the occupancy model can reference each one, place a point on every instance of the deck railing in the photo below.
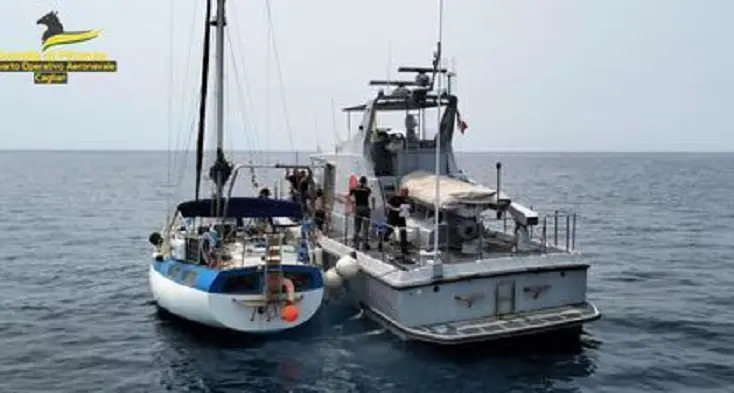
(374, 230)
(555, 230)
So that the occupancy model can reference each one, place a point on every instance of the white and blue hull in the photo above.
(237, 312)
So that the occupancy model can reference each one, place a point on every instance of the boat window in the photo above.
(241, 284)
(301, 281)
(192, 250)
(173, 270)
(189, 277)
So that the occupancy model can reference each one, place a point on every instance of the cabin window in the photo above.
(242, 284)
(173, 270)
(301, 281)
(189, 278)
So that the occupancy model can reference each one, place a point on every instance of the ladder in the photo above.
(273, 274)
(307, 238)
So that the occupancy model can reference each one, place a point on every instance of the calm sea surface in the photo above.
(76, 315)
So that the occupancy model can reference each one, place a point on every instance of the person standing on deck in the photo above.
(320, 209)
(294, 179)
(364, 202)
(265, 194)
(304, 188)
(398, 210)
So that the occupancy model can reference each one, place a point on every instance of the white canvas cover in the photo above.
(454, 193)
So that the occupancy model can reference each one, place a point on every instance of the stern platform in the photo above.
(494, 328)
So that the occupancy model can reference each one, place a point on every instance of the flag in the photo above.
(461, 123)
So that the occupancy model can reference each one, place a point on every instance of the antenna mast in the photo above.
(437, 258)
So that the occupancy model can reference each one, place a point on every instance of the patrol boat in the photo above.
(234, 262)
(480, 265)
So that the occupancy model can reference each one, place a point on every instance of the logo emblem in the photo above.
(536, 290)
(52, 67)
(470, 299)
(55, 34)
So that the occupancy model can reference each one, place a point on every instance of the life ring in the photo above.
(207, 244)
(290, 288)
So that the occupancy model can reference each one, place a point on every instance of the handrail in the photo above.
(569, 231)
(558, 216)
(262, 238)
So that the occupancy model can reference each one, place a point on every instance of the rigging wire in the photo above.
(176, 162)
(245, 98)
(177, 158)
(271, 34)
(185, 162)
(268, 56)
(169, 117)
(242, 101)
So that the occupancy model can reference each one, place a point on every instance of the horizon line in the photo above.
(82, 150)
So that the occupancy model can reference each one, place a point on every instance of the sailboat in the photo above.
(240, 263)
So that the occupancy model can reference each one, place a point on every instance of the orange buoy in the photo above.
(289, 313)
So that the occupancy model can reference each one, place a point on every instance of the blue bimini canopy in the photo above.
(242, 207)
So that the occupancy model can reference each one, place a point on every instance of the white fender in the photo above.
(332, 279)
(347, 267)
(290, 289)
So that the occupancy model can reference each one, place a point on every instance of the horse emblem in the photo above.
(55, 34)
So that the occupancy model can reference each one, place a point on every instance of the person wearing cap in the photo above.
(264, 193)
(398, 210)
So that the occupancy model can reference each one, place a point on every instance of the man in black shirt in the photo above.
(397, 208)
(304, 188)
(363, 204)
(294, 178)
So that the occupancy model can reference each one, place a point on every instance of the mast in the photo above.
(202, 101)
(437, 259)
(222, 169)
(220, 80)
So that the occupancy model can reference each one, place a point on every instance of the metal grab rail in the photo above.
(568, 230)
(558, 217)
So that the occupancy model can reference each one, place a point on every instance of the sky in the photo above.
(561, 75)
